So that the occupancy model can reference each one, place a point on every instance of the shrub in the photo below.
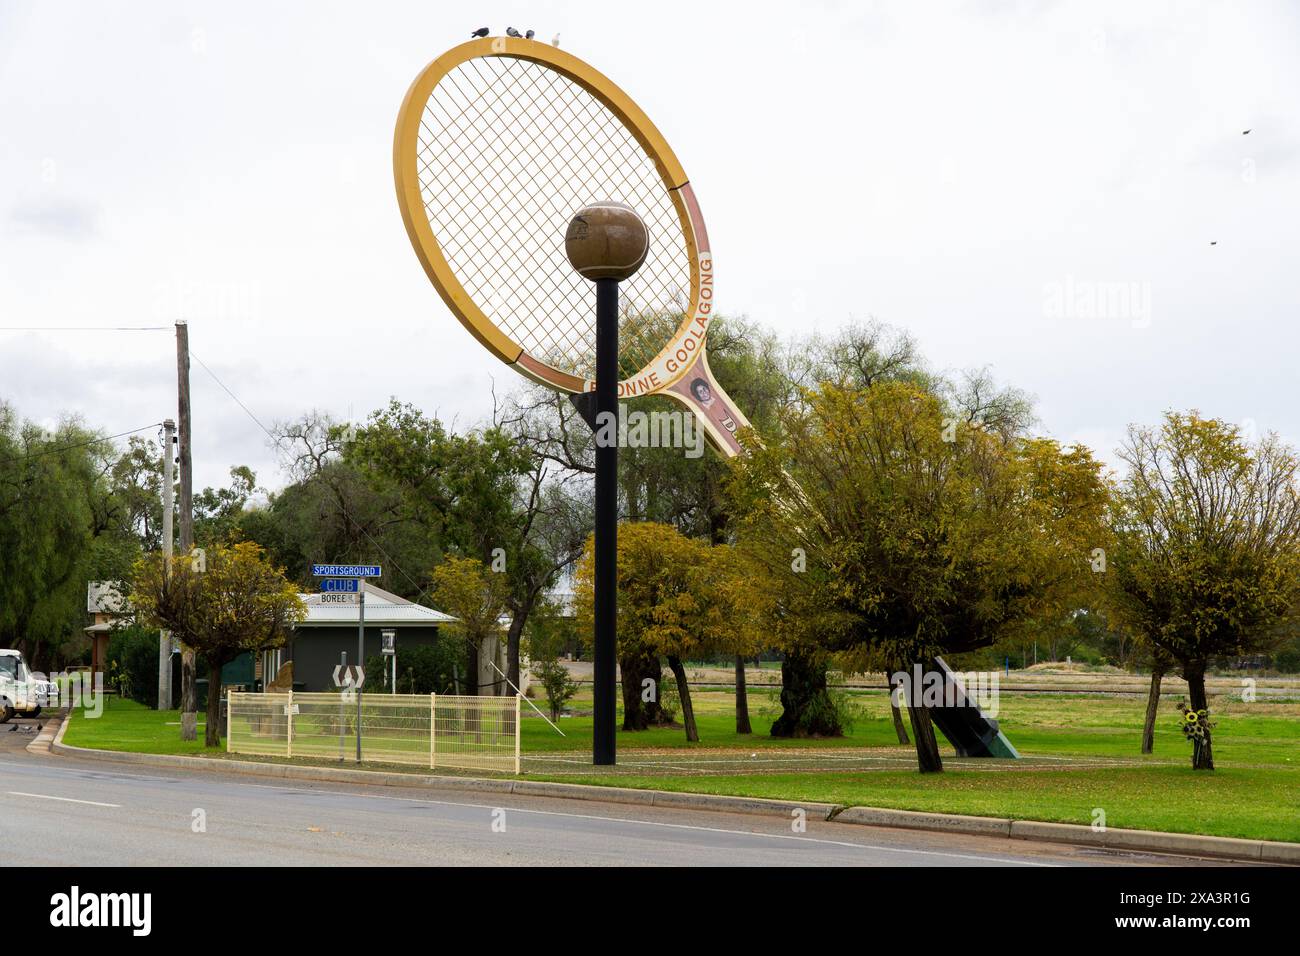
(559, 686)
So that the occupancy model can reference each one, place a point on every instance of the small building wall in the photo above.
(315, 650)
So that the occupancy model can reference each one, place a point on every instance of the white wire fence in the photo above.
(426, 730)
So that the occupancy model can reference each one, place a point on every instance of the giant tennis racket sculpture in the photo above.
(498, 142)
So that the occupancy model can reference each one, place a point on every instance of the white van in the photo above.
(21, 693)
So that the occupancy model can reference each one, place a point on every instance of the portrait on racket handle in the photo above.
(703, 394)
(486, 206)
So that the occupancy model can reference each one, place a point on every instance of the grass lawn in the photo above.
(1037, 724)
(1254, 803)
(128, 726)
(1255, 793)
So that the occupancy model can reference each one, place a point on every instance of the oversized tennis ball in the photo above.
(606, 240)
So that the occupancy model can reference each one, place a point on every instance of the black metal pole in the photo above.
(606, 568)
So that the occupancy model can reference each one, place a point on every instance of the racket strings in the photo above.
(508, 151)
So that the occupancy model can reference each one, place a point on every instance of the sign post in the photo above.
(345, 579)
(388, 647)
(343, 663)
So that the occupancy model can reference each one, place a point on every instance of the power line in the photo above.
(233, 396)
(84, 444)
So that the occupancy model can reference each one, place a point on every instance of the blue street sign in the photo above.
(346, 570)
(340, 585)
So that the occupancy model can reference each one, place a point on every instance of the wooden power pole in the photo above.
(189, 695)
(165, 637)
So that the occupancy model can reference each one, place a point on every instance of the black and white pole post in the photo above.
(343, 724)
(606, 243)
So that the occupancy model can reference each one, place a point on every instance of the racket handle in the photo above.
(699, 391)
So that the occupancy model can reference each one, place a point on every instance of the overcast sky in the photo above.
(974, 173)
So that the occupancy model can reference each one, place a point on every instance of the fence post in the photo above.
(230, 706)
(433, 728)
(517, 734)
(288, 713)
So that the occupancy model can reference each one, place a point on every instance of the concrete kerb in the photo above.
(41, 744)
(919, 820)
(1186, 844)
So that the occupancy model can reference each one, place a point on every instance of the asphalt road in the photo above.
(67, 811)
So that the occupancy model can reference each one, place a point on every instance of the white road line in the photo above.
(46, 796)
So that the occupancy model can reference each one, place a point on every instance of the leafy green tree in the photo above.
(765, 377)
(480, 494)
(133, 504)
(1207, 556)
(893, 532)
(330, 511)
(50, 486)
(217, 511)
(240, 603)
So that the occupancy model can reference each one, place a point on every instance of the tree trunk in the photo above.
(1153, 705)
(742, 699)
(513, 636)
(1202, 754)
(189, 696)
(212, 735)
(635, 668)
(807, 709)
(927, 746)
(471, 667)
(684, 694)
(897, 714)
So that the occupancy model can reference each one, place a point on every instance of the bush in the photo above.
(1287, 660)
(132, 664)
(422, 668)
(559, 686)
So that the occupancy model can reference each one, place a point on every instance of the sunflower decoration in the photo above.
(1195, 724)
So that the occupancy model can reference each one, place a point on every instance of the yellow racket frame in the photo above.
(664, 369)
